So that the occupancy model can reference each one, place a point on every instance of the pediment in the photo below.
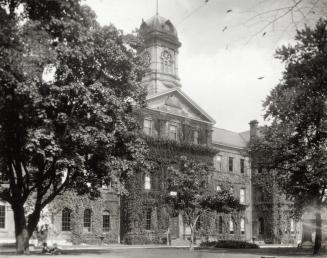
(178, 103)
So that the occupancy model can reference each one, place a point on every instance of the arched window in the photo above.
(105, 221)
(242, 226)
(261, 226)
(231, 226)
(87, 220)
(65, 220)
(147, 182)
(166, 62)
(220, 225)
(2, 216)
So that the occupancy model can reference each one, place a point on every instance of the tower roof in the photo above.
(158, 26)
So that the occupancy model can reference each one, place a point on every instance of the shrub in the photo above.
(233, 244)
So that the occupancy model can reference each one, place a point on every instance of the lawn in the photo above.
(178, 253)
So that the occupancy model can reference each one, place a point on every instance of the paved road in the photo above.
(176, 253)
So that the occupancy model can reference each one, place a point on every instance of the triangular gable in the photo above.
(176, 102)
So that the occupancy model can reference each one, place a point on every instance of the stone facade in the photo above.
(90, 221)
(172, 116)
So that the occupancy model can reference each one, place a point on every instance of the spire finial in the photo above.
(157, 7)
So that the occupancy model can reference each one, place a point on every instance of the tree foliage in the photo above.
(76, 131)
(191, 194)
(295, 142)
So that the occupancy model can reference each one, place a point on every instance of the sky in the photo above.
(226, 61)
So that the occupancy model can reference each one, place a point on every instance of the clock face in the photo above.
(147, 59)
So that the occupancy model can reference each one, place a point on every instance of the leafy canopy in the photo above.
(191, 193)
(76, 131)
(295, 144)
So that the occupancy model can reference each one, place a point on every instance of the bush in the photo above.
(143, 239)
(233, 244)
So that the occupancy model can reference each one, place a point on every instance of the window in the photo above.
(292, 226)
(231, 226)
(2, 216)
(147, 182)
(217, 162)
(220, 225)
(106, 221)
(65, 219)
(261, 226)
(148, 219)
(173, 132)
(218, 188)
(166, 62)
(242, 226)
(242, 196)
(242, 167)
(195, 137)
(147, 126)
(87, 220)
(230, 164)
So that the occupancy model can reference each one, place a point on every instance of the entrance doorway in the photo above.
(174, 227)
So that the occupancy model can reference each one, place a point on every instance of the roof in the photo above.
(228, 138)
(158, 24)
(245, 135)
(185, 97)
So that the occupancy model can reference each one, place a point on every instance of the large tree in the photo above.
(190, 193)
(76, 131)
(294, 144)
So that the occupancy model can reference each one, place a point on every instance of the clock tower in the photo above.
(160, 53)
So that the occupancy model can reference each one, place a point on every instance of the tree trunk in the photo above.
(21, 233)
(192, 239)
(316, 248)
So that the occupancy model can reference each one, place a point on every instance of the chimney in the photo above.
(253, 128)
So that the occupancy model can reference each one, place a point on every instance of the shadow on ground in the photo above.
(282, 251)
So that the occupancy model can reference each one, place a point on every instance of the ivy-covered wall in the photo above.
(234, 181)
(186, 127)
(109, 203)
(271, 206)
(163, 153)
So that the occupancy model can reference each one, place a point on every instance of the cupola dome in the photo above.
(158, 26)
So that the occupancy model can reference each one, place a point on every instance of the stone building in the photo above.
(173, 125)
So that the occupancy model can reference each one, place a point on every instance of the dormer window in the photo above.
(147, 126)
(172, 132)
